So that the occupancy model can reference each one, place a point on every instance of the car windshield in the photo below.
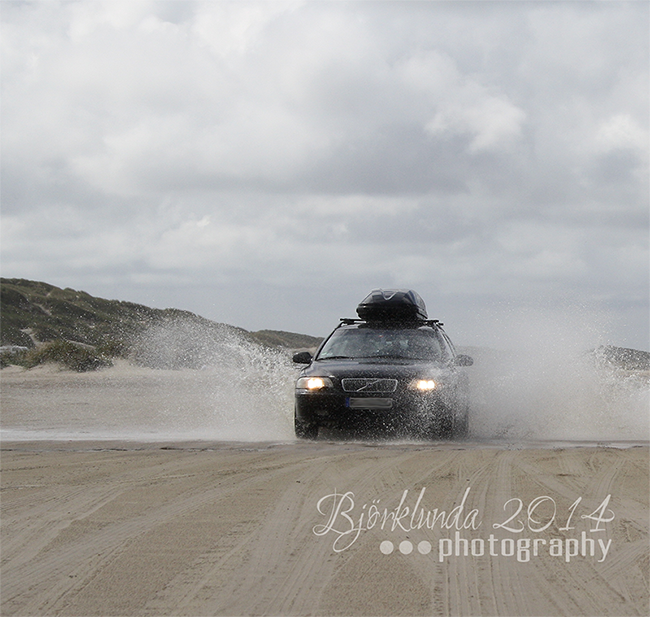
(413, 344)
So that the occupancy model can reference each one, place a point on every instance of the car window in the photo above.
(413, 344)
(447, 346)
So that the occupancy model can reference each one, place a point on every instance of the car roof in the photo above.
(350, 324)
(354, 324)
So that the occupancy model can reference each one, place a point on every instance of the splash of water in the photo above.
(195, 379)
(242, 391)
(187, 380)
(551, 386)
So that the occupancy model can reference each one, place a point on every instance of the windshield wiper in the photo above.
(336, 358)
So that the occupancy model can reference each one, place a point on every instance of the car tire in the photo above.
(304, 430)
(440, 428)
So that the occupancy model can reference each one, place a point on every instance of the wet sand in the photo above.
(205, 527)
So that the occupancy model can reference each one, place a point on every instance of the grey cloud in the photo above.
(618, 167)
(395, 159)
(474, 150)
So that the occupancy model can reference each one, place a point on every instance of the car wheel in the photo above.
(440, 428)
(304, 430)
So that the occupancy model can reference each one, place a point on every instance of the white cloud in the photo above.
(87, 18)
(467, 148)
(235, 27)
(462, 105)
(493, 122)
(621, 132)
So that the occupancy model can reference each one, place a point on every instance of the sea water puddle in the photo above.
(244, 393)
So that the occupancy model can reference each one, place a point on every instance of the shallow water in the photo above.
(145, 405)
(244, 392)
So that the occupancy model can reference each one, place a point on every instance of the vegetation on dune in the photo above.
(69, 355)
(34, 312)
(42, 323)
(82, 332)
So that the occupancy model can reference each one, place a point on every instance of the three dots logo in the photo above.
(405, 547)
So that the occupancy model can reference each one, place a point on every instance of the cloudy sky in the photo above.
(267, 164)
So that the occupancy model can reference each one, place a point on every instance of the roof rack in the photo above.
(348, 321)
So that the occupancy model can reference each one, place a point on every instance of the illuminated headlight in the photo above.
(425, 385)
(313, 384)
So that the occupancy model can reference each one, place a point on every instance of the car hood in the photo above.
(376, 367)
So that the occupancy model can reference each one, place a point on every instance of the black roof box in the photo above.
(392, 305)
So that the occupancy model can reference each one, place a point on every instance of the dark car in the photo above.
(392, 371)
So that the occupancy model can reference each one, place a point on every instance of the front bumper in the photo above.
(401, 412)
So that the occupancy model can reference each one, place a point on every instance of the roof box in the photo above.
(392, 305)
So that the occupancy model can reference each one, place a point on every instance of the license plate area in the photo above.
(370, 402)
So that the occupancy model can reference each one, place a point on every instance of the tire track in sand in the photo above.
(229, 531)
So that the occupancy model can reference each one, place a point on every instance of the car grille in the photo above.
(368, 384)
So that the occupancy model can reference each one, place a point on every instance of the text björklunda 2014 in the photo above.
(346, 521)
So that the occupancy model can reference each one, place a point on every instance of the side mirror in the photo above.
(302, 357)
(463, 360)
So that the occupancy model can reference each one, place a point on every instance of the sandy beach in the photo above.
(279, 527)
(229, 529)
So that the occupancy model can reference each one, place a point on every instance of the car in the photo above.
(393, 371)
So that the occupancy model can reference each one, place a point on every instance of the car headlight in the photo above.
(313, 384)
(424, 385)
